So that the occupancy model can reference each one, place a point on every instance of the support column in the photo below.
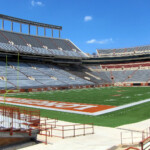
(29, 29)
(52, 33)
(44, 31)
(12, 26)
(59, 33)
(20, 27)
(37, 30)
(2, 24)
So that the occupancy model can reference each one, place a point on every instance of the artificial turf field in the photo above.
(115, 96)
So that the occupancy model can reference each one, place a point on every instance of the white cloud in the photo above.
(91, 41)
(88, 18)
(36, 3)
(104, 41)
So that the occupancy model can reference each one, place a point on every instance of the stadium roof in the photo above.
(30, 22)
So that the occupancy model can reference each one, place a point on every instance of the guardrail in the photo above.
(66, 131)
(132, 148)
(145, 144)
(49, 128)
(133, 137)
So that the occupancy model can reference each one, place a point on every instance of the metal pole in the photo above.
(44, 31)
(12, 26)
(5, 82)
(74, 131)
(2, 24)
(46, 133)
(52, 33)
(59, 33)
(29, 29)
(20, 27)
(132, 136)
(121, 137)
(51, 131)
(18, 73)
(63, 132)
(37, 30)
(141, 146)
(84, 129)
(93, 128)
(11, 111)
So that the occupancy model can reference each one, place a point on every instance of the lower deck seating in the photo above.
(121, 76)
(31, 75)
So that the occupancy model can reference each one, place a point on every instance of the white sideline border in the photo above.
(120, 107)
(102, 112)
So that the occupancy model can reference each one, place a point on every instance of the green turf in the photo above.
(98, 96)
(93, 96)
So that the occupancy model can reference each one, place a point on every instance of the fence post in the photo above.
(46, 138)
(29, 131)
(121, 137)
(132, 136)
(93, 128)
(51, 131)
(63, 132)
(141, 146)
(74, 128)
(142, 135)
(84, 129)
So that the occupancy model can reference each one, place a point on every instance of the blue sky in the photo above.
(90, 24)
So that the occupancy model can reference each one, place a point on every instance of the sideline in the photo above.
(121, 107)
(78, 108)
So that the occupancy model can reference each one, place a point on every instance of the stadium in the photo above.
(46, 80)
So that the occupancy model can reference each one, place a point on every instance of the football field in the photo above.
(108, 96)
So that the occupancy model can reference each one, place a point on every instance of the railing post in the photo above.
(74, 128)
(63, 132)
(142, 136)
(84, 129)
(11, 133)
(29, 131)
(46, 138)
(141, 146)
(121, 137)
(51, 130)
(132, 136)
(93, 128)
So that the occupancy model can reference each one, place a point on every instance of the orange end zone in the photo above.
(55, 105)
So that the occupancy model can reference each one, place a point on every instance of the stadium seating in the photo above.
(116, 74)
(28, 75)
(43, 74)
(28, 44)
(124, 51)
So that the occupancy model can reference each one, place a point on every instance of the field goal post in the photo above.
(6, 66)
